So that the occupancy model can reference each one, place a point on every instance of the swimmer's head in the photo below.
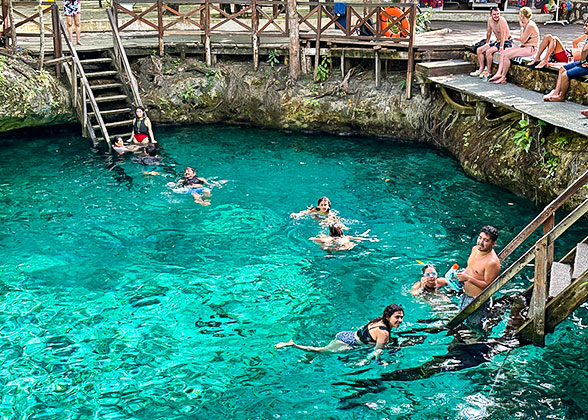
(118, 141)
(139, 111)
(393, 316)
(189, 172)
(487, 238)
(335, 230)
(324, 204)
(430, 271)
(151, 150)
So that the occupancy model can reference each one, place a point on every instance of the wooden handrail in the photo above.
(126, 66)
(85, 85)
(518, 265)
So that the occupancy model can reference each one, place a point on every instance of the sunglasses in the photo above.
(430, 274)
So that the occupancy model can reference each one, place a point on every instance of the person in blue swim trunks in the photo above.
(375, 333)
(195, 186)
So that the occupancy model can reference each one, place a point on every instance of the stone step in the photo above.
(112, 98)
(560, 278)
(445, 67)
(581, 260)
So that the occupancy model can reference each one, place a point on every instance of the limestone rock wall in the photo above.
(29, 97)
(491, 144)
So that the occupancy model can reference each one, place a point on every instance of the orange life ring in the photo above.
(393, 12)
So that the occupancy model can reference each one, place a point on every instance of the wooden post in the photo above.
(84, 112)
(57, 45)
(342, 63)
(160, 26)
(207, 48)
(4, 23)
(294, 51)
(378, 69)
(413, 10)
(538, 300)
(74, 85)
(41, 35)
(13, 45)
(254, 34)
(317, 54)
(547, 226)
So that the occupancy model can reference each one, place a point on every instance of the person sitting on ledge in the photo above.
(496, 25)
(556, 52)
(529, 39)
(570, 71)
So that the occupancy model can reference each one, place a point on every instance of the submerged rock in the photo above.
(30, 97)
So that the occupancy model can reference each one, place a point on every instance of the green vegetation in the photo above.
(273, 58)
(322, 70)
(423, 22)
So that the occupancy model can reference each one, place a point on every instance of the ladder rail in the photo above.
(121, 59)
(518, 265)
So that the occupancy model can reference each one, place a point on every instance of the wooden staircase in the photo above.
(559, 287)
(104, 90)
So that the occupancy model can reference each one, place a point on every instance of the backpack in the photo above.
(477, 45)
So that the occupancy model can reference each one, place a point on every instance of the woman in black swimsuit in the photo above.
(375, 333)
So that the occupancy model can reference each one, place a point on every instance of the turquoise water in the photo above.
(121, 299)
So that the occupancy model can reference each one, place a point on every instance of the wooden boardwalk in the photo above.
(559, 114)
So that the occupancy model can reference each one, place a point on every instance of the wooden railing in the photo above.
(122, 62)
(541, 252)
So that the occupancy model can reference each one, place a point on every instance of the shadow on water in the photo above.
(468, 349)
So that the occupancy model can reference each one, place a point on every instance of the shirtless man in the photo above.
(496, 25)
(483, 267)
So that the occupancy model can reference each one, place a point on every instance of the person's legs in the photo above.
(69, 26)
(556, 91)
(489, 53)
(78, 28)
(481, 54)
(334, 346)
(545, 43)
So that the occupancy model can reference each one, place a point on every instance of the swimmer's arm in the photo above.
(381, 341)
(363, 238)
(441, 282)
(321, 239)
(489, 33)
(303, 212)
(576, 41)
(417, 288)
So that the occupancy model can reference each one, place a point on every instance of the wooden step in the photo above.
(112, 98)
(125, 136)
(560, 278)
(112, 112)
(96, 60)
(105, 73)
(106, 86)
(581, 260)
(443, 68)
(115, 124)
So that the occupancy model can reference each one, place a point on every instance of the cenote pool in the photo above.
(121, 299)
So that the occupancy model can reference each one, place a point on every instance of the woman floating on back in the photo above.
(337, 241)
(321, 211)
(375, 333)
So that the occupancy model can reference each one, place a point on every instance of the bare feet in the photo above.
(584, 113)
(79, 43)
(495, 77)
(553, 98)
(288, 344)
(542, 64)
(501, 80)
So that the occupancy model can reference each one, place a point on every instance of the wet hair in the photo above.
(151, 150)
(320, 200)
(139, 107)
(429, 266)
(189, 167)
(491, 231)
(117, 139)
(388, 312)
(335, 230)
(494, 9)
(526, 12)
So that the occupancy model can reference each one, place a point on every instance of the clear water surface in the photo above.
(121, 299)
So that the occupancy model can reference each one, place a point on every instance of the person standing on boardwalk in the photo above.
(142, 127)
(483, 268)
(529, 39)
(570, 71)
(72, 9)
(496, 25)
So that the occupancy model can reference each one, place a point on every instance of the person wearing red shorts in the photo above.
(142, 132)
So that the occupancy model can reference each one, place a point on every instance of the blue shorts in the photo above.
(197, 190)
(477, 318)
(507, 44)
(575, 70)
(348, 337)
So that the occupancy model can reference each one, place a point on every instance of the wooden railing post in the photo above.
(4, 14)
(57, 45)
(539, 298)
(317, 54)
(547, 226)
(409, 71)
(254, 35)
(160, 26)
(207, 48)
(294, 51)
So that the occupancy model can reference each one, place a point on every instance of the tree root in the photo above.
(462, 109)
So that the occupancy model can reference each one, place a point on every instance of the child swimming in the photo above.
(336, 241)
